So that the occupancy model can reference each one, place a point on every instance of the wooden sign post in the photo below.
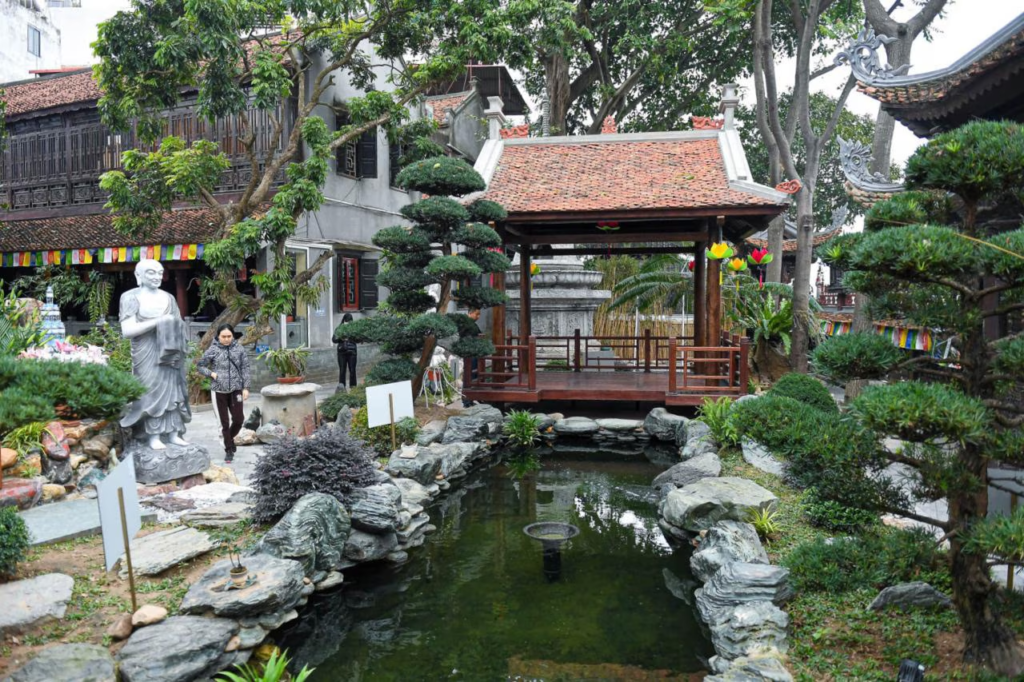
(388, 403)
(120, 518)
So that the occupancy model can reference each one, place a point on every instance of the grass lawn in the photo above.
(833, 636)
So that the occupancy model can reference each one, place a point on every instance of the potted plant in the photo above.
(239, 573)
(288, 363)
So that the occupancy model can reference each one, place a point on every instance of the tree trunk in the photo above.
(776, 230)
(556, 74)
(801, 278)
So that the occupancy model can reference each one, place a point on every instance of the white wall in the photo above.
(78, 28)
(15, 60)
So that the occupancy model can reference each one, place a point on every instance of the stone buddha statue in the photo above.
(149, 317)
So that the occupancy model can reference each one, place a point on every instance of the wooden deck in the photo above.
(512, 374)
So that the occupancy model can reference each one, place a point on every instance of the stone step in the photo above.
(66, 521)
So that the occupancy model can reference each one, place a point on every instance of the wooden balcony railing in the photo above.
(711, 370)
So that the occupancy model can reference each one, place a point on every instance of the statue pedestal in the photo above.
(173, 462)
(291, 405)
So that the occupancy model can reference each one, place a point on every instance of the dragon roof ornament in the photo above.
(862, 56)
(855, 158)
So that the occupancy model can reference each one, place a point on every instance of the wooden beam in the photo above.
(642, 214)
(700, 297)
(620, 237)
(614, 251)
(524, 293)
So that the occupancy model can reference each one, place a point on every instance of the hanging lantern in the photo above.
(719, 251)
(760, 258)
(736, 266)
(534, 269)
(690, 265)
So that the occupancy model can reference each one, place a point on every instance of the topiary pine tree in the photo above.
(424, 255)
(952, 278)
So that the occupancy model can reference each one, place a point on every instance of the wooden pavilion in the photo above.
(608, 194)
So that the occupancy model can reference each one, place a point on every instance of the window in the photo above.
(358, 158)
(357, 283)
(35, 40)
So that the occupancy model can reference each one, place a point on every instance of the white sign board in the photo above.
(378, 412)
(123, 477)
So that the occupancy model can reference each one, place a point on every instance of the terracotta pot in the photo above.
(290, 380)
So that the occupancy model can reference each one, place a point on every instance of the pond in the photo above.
(473, 603)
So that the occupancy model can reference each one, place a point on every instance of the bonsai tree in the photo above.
(934, 258)
(426, 255)
(287, 362)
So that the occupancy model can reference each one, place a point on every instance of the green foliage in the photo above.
(410, 302)
(18, 330)
(1001, 536)
(479, 297)
(392, 370)
(464, 324)
(20, 407)
(400, 239)
(488, 261)
(716, 414)
(476, 236)
(332, 462)
(441, 175)
(274, 670)
(439, 214)
(859, 355)
(765, 522)
(333, 404)
(484, 211)
(379, 437)
(117, 348)
(13, 540)
(661, 279)
(286, 362)
(520, 428)
(405, 279)
(978, 159)
(836, 517)
(908, 208)
(473, 347)
(917, 411)
(452, 267)
(874, 560)
(26, 437)
(433, 324)
(806, 389)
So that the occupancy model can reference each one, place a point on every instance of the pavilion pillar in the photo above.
(181, 278)
(524, 293)
(498, 320)
(714, 289)
(700, 294)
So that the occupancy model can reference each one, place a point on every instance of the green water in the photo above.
(473, 602)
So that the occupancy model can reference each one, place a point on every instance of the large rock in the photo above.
(343, 422)
(725, 543)
(685, 473)
(247, 437)
(739, 583)
(363, 547)
(576, 426)
(8, 458)
(761, 667)
(34, 601)
(433, 459)
(278, 587)
(701, 505)
(271, 432)
(749, 628)
(759, 457)
(463, 429)
(663, 425)
(180, 649)
(413, 493)
(698, 441)
(313, 532)
(155, 553)
(432, 432)
(914, 595)
(375, 508)
(22, 493)
(489, 414)
(68, 663)
(620, 425)
(218, 516)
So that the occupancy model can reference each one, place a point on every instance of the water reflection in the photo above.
(473, 602)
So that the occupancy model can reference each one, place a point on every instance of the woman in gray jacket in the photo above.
(227, 365)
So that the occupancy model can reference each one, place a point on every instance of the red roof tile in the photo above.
(186, 226)
(789, 245)
(442, 105)
(55, 91)
(576, 176)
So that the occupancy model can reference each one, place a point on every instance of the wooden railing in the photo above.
(512, 367)
(721, 370)
(645, 352)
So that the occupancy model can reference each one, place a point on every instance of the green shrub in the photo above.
(274, 670)
(108, 337)
(521, 428)
(24, 438)
(860, 355)
(806, 389)
(473, 347)
(330, 407)
(329, 462)
(20, 408)
(392, 370)
(716, 414)
(379, 437)
(836, 517)
(441, 175)
(782, 424)
(13, 540)
(484, 211)
(874, 560)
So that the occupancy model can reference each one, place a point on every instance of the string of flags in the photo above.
(122, 254)
(901, 337)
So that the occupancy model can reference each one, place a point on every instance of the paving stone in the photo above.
(67, 520)
(576, 426)
(620, 424)
(68, 663)
(33, 601)
(155, 553)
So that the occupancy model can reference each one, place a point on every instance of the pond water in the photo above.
(473, 603)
